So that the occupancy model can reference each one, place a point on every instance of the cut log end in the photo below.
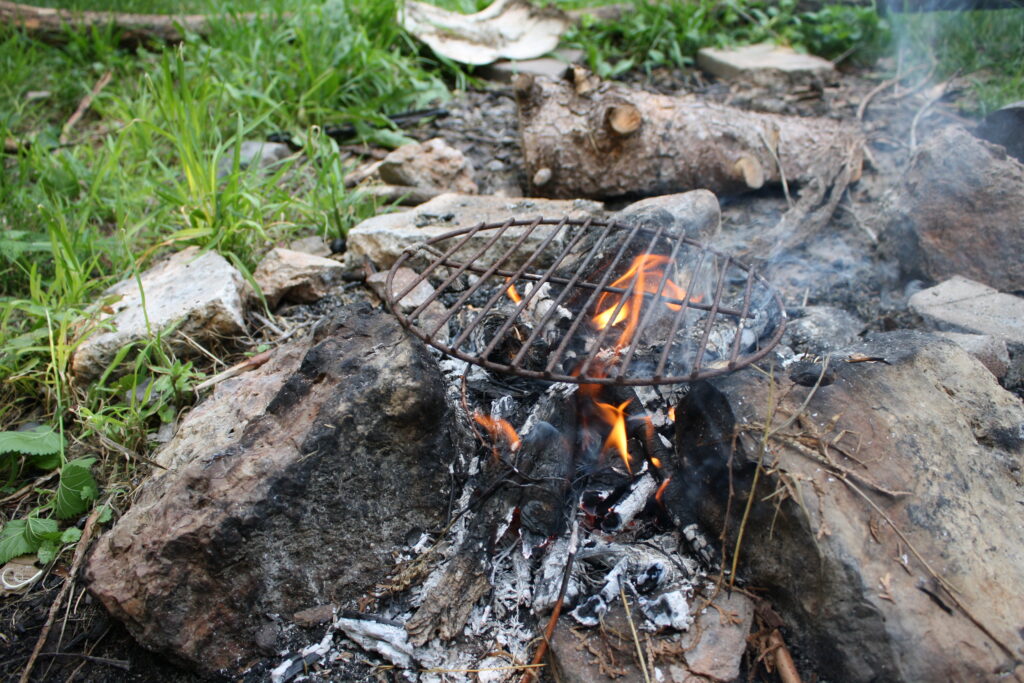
(623, 119)
(749, 169)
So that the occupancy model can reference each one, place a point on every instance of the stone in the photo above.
(992, 352)
(253, 153)
(419, 294)
(715, 644)
(383, 238)
(304, 505)
(313, 616)
(219, 420)
(199, 294)
(820, 329)
(962, 305)
(926, 438)
(296, 277)
(429, 165)
(314, 244)
(1005, 126)
(712, 649)
(696, 214)
(959, 210)
(764, 64)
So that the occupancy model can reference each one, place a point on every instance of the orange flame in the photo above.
(647, 271)
(616, 417)
(511, 292)
(672, 413)
(661, 490)
(499, 430)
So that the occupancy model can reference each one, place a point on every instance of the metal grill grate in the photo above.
(703, 314)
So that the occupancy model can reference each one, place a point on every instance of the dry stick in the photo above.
(28, 487)
(549, 631)
(84, 105)
(83, 544)
(250, 363)
(783, 659)
(632, 629)
(924, 108)
(946, 585)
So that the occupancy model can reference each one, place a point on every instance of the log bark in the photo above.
(52, 25)
(584, 138)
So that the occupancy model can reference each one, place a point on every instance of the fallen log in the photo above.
(52, 25)
(585, 138)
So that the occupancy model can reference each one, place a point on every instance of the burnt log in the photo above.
(878, 528)
(303, 505)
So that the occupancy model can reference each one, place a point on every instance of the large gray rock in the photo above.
(200, 295)
(930, 421)
(302, 506)
(382, 238)
(960, 211)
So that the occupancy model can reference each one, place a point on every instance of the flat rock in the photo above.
(433, 164)
(382, 238)
(302, 506)
(314, 244)
(992, 352)
(926, 439)
(961, 305)
(695, 214)
(960, 211)
(295, 276)
(201, 295)
(764, 64)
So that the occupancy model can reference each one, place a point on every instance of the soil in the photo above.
(843, 267)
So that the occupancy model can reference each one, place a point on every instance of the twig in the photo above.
(632, 630)
(84, 105)
(771, 431)
(783, 659)
(549, 631)
(117, 663)
(83, 543)
(871, 95)
(773, 150)
(250, 363)
(28, 487)
(924, 108)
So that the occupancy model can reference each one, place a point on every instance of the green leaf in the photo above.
(106, 514)
(39, 529)
(41, 440)
(48, 552)
(14, 541)
(71, 535)
(76, 489)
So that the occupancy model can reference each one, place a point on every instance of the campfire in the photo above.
(615, 318)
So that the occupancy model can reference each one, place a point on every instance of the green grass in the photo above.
(140, 175)
(985, 47)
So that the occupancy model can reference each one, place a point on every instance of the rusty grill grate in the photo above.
(528, 297)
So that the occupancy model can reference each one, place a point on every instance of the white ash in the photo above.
(503, 408)
(590, 611)
(311, 653)
(549, 578)
(538, 307)
(388, 640)
(668, 610)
